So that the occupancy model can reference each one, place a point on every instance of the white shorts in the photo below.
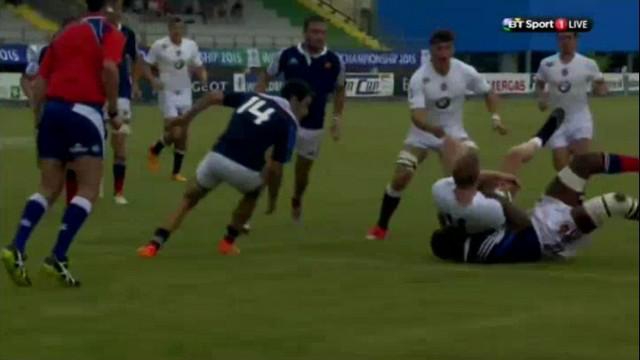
(427, 141)
(308, 143)
(215, 169)
(175, 103)
(575, 127)
(557, 231)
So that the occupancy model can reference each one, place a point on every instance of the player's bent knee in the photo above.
(407, 161)
(194, 193)
(253, 195)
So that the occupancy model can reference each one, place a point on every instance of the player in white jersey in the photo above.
(437, 92)
(479, 226)
(174, 56)
(568, 76)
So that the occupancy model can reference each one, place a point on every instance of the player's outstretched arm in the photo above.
(202, 74)
(338, 108)
(489, 180)
(210, 99)
(541, 95)
(491, 101)
(517, 218)
(600, 87)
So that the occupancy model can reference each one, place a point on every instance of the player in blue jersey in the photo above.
(479, 226)
(260, 122)
(130, 71)
(324, 71)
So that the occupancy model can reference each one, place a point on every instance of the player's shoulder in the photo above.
(332, 55)
(282, 106)
(190, 42)
(459, 65)
(162, 43)
(443, 186)
(550, 60)
(583, 59)
(289, 51)
(126, 30)
(483, 203)
(421, 72)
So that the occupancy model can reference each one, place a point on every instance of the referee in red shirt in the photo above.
(78, 75)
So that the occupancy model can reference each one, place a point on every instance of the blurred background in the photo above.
(372, 36)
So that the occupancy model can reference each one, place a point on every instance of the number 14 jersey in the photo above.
(258, 123)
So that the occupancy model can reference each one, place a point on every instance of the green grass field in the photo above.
(317, 291)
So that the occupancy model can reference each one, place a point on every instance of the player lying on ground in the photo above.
(567, 77)
(259, 123)
(173, 56)
(479, 226)
(78, 75)
(437, 93)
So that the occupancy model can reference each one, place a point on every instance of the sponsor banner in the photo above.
(13, 55)
(357, 85)
(381, 59)
(248, 81)
(509, 83)
(632, 82)
(10, 87)
(369, 85)
(239, 58)
(615, 82)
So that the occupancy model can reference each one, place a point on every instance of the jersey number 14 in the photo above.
(254, 105)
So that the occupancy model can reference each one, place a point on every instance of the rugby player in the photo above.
(129, 70)
(174, 56)
(568, 76)
(437, 92)
(78, 74)
(260, 122)
(312, 62)
(479, 226)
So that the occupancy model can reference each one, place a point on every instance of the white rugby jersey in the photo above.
(568, 84)
(173, 62)
(482, 214)
(443, 96)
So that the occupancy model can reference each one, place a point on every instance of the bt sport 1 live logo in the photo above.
(521, 24)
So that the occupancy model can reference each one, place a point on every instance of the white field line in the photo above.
(13, 142)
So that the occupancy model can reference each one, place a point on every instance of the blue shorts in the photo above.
(68, 131)
(522, 246)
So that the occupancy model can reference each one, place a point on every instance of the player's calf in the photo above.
(571, 181)
(406, 166)
(239, 218)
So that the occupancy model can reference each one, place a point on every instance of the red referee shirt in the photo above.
(73, 64)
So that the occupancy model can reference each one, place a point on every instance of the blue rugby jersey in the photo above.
(323, 72)
(259, 122)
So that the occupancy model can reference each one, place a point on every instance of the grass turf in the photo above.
(319, 290)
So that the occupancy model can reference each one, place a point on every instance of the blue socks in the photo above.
(34, 209)
(75, 215)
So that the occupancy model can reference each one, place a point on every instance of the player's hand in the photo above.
(543, 104)
(336, 128)
(116, 123)
(498, 126)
